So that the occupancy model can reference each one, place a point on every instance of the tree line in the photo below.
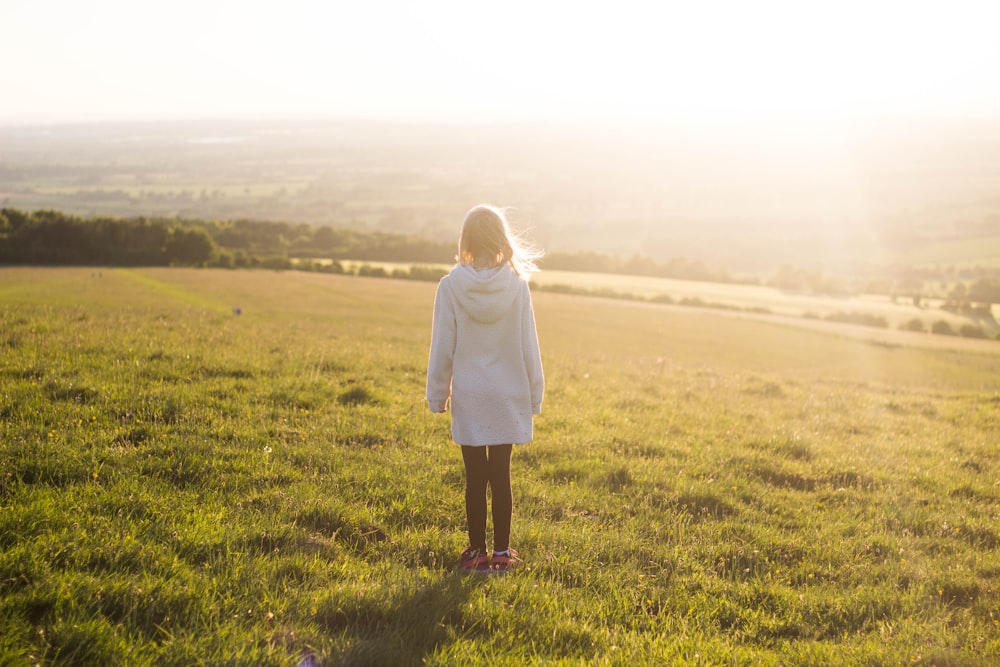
(52, 238)
(49, 237)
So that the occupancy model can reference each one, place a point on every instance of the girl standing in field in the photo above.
(485, 358)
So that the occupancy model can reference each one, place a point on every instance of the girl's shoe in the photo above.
(502, 564)
(475, 560)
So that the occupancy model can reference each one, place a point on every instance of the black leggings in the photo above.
(488, 466)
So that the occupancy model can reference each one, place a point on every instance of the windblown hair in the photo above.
(487, 240)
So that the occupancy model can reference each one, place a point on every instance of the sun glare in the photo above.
(452, 60)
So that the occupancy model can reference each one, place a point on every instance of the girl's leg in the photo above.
(476, 478)
(503, 498)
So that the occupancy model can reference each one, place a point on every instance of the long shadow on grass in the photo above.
(403, 626)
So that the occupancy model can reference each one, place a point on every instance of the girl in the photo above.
(484, 357)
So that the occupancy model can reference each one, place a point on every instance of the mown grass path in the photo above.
(181, 485)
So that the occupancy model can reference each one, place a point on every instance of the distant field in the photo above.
(137, 189)
(743, 297)
(966, 253)
(183, 485)
(920, 195)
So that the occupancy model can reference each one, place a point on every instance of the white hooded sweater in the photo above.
(485, 356)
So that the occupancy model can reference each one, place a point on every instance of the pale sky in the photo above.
(72, 60)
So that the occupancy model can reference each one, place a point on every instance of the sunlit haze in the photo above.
(65, 60)
(744, 134)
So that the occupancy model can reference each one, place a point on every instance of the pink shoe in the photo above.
(475, 560)
(505, 563)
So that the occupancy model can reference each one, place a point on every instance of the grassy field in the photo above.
(181, 485)
(762, 298)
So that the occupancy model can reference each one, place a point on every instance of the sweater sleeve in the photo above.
(532, 354)
(439, 363)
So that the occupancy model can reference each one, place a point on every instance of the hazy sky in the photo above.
(68, 60)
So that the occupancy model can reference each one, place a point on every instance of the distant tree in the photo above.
(579, 261)
(372, 271)
(685, 269)
(912, 325)
(190, 245)
(943, 328)
(639, 265)
(957, 300)
(224, 260)
(803, 280)
(325, 238)
(911, 287)
(971, 331)
(985, 290)
(866, 319)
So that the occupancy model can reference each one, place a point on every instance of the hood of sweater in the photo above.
(486, 294)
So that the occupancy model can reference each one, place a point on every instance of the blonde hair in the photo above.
(487, 240)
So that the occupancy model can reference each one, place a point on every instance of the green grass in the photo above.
(180, 485)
